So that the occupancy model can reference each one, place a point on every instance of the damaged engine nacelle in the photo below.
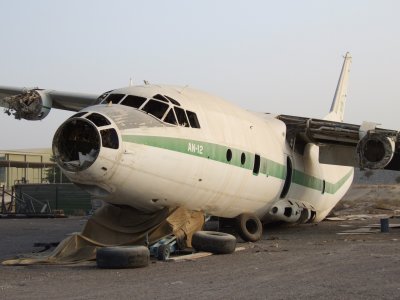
(292, 212)
(375, 151)
(31, 105)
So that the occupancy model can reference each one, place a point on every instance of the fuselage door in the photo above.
(288, 178)
(256, 167)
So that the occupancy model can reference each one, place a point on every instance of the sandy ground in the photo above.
(370, 199)
(303, 262)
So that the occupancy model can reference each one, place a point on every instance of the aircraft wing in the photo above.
(363, 146)
(35, 103)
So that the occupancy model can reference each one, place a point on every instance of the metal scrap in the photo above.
(358, 231)
(23, 106)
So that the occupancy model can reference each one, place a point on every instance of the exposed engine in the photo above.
(30, 105)
(375, 151)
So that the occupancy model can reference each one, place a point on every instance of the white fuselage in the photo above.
(211, 168)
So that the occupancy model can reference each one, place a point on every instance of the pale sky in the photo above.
(269, 56)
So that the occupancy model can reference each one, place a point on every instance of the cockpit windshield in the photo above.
(156, 108)
(133, 101)
(162, 107)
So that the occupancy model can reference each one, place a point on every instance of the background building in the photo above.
(31, 183)
(25, 166)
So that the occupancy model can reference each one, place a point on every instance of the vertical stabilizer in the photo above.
(339, 100)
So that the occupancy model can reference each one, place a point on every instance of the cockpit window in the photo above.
(109, 138)
(103, 96)
(156, 108)
(160, 97)
(170, 117)
(98, 120)
(182, 119)
(114, 98)
(166, 98)
(173, 100)
(133, 101)
(159, 106)
(194, 122)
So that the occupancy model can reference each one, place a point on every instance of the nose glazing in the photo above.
(78, 141)
(76, 144)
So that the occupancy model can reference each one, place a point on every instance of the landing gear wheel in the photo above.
(214, 242)
(122, 257)
(163, 252)
(249, 227)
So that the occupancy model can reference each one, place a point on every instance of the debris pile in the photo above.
(23, 106)
(120, 226)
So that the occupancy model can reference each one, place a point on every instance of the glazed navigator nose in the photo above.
(79, 140)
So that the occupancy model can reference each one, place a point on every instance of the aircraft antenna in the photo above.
(181, 91)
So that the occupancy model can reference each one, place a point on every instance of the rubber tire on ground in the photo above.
(214, 242)
(163, 252)
(121, 257)
(252, 233)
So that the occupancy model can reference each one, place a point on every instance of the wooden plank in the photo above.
(197, 255)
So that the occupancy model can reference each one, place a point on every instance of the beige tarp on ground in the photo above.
(113, 225)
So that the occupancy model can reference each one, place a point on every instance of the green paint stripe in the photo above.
(276, 170)
(332, 188)
(196, 148)
(219, 153)
(309, 181)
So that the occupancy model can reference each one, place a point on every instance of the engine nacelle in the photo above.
(375, 151)
(31, 105)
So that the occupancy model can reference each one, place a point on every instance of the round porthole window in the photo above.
(229, 155)
(243, 158)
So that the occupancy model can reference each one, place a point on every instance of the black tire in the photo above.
(249, 227)
(163, 252)
(214, 242)
(122, 257)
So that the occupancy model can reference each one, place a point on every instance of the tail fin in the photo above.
(339, 100)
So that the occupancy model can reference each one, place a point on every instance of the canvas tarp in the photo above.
(120, 225)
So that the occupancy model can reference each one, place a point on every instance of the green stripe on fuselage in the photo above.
(219, 153)
(197, 148)
(332, 188)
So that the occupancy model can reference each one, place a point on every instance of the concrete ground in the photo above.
(291, 262)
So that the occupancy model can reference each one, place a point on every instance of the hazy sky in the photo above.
(271, 56)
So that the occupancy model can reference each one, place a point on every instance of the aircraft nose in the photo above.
(78, 141)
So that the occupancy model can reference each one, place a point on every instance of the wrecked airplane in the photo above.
(154, 147)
